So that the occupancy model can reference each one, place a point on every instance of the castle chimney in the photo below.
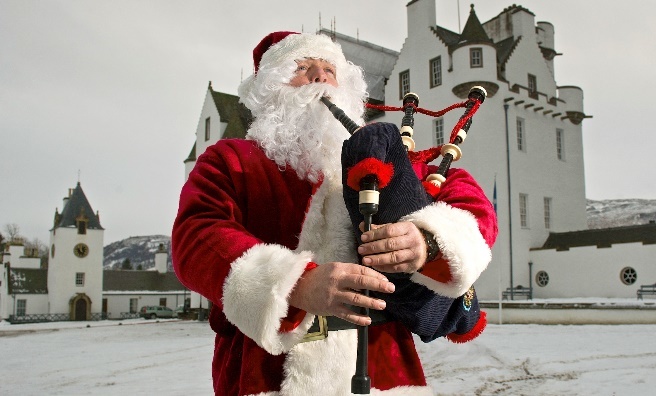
(161, 258)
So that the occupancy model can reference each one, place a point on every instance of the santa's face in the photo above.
(311, 70)
(291, 124)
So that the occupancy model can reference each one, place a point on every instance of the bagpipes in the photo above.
(381, 186)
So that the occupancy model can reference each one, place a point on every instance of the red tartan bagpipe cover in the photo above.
(377, 148)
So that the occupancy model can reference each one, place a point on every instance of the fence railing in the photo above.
(39, 318)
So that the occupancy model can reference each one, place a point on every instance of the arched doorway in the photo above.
(80, 307)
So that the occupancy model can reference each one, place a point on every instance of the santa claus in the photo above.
(263, 232)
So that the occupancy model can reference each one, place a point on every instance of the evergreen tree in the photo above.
(126, 264)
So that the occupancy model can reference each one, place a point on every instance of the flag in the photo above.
(494, 194)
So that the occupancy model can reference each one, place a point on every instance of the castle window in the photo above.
(628, 275)
(79, 279)
(207, 129)
(560, 144)
(438, 127)
(532, 86)
(21, 307)
(542, 278)
(521, 134)
(436, 72)
(476, 57)
(523, 210)
(404, 83)
(547, 212)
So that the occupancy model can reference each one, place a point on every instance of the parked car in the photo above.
(155, 311)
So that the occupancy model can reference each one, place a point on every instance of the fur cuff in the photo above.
(461, 244)
(255, 295)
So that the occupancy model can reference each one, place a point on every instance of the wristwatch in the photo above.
(432, 249)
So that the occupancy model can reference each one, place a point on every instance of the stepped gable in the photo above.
(603, 237)
(76, 208)
(448, 37)
(505, 49)
(140, 281)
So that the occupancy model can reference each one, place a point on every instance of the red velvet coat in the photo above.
(246, 231)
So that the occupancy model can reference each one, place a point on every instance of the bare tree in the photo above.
(13, 232)
(37, 248)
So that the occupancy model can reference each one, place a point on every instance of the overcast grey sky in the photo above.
(112, 91)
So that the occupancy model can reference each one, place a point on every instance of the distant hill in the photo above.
(139, 249)
(601, 214)
(620, 212)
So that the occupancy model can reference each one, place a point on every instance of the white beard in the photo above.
(295, 129)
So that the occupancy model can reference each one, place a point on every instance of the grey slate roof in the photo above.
(140, 281)
(235, 114)
(377, 62)
(28, 281)
(35, 281)
(77, 205)
(448, 37)
(473, 32)
(604, 237)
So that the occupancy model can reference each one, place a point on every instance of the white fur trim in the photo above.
(326, 367)
(321, 367)
(304, 45)
(327, 230)
(255, 295)
(460, 242)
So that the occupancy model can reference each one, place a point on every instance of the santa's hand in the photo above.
(330, 288)
(394, 247)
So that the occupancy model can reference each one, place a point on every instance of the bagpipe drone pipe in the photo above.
(381, 186)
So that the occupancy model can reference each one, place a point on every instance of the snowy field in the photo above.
(139, 357)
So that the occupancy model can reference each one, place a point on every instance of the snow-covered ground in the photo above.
(139, 357)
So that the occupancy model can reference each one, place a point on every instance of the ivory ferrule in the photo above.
(369, 197)
(452, 149)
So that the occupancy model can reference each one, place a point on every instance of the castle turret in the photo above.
(75, 268)
(475, 57)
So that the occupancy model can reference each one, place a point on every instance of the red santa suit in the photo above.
(247, 230)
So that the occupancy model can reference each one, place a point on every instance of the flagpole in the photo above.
(459, 31)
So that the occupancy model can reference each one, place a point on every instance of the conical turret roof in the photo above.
(78, 207)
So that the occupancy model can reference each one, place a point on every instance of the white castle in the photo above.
(525, 148)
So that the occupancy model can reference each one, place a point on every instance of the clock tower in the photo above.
(75, 266)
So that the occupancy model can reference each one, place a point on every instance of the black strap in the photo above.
(335, 323)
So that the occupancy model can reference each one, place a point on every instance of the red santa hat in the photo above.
(278, 47)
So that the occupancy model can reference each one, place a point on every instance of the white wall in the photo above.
(593, 272)
(119, 302)
(64, 265)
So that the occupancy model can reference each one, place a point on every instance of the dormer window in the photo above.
(532, 86)
(476, 57)
(82, 221)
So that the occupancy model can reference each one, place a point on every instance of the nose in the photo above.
(317, 74)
